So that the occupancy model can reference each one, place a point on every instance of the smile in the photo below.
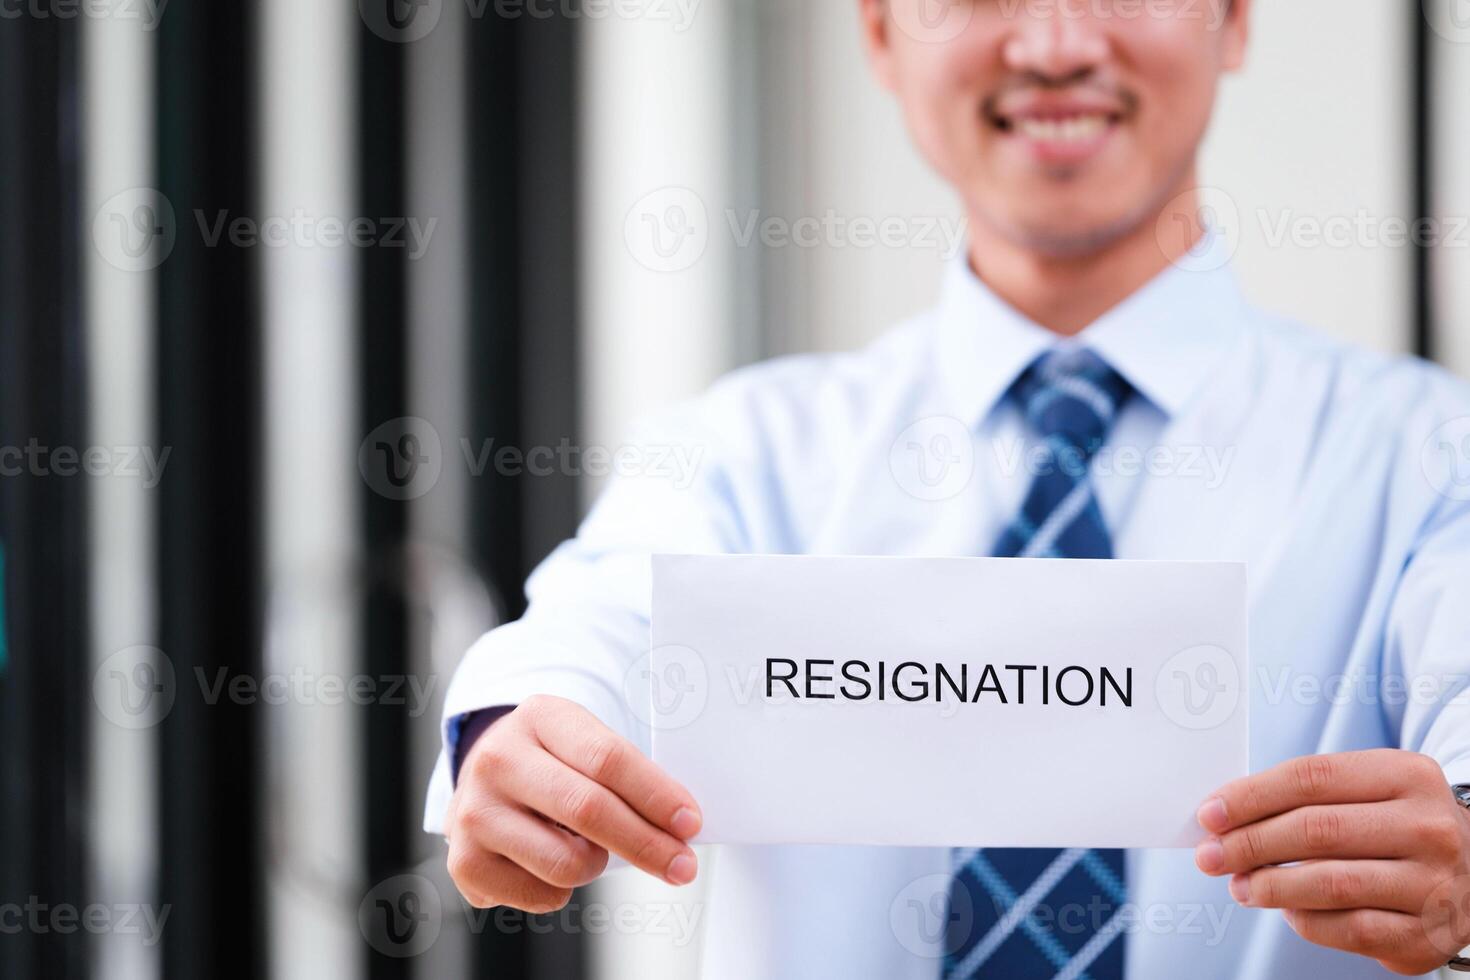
(1060, 137)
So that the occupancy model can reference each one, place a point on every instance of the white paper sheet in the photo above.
(1154, 655)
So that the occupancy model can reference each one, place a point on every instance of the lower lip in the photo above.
(1063, 152)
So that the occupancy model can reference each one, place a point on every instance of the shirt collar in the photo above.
(1163, 339)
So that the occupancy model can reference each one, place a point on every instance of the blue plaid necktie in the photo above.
(1045, 912)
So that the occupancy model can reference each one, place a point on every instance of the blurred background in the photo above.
(321, 323)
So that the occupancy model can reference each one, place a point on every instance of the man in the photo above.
(1070, 132)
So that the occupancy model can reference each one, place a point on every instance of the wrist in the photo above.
(471, 727)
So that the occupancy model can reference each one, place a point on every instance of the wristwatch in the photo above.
(1460, 964)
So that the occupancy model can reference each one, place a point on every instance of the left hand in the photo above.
(1384, 850)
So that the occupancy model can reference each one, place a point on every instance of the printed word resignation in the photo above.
(855, 680)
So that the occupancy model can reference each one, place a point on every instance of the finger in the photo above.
(1369, 932)
(552, 854)
(602, 755)
(1325, 885)
(560, 793)
(486, 880)
(1345, 777)
(1359, 830)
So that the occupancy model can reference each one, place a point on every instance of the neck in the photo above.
(1066, 293)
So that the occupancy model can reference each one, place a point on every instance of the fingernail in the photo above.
(1211, 815)
(685, 823)
(1240, 889)
(1209, 855)
(682, 869)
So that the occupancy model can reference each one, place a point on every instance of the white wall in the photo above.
(1452, 192)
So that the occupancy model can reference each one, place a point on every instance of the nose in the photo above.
(1059, 44)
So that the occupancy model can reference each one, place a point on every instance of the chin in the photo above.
(1067, 237)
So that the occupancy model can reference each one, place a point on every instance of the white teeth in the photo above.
(1074, 129)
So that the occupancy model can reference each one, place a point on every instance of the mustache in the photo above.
(1083, 83)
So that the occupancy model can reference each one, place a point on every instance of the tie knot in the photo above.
(1072, 395)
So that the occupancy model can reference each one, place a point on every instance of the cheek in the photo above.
(1175, 69)
(941, 88)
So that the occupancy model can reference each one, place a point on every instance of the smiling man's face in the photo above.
(1064, 124)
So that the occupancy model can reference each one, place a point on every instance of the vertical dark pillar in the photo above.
(209, 510)
(1422, 168)
(382, 380)
(523, 338)
(45, 679)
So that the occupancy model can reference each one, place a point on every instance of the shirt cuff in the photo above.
(465, 730)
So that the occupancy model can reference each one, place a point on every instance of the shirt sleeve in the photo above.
(1428, 659)
(587, 622)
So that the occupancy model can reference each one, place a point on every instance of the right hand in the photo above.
(545, 793)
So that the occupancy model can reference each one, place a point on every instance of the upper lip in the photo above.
(1037, 104)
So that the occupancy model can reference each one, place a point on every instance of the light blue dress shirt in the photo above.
(1341, 477)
